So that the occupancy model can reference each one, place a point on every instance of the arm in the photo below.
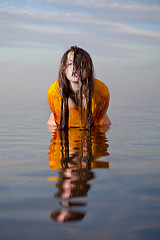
(51, 120)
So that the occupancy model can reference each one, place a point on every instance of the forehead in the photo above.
(70, 56)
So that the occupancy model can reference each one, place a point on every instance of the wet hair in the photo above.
(81, 61)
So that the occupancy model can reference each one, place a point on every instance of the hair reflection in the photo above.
(75, 153)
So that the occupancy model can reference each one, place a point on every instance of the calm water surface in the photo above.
(76, 185)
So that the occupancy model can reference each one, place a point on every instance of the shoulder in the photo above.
(54, 97)
(101, 89)
(54, 88)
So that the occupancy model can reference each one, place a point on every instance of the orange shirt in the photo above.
(100, 103)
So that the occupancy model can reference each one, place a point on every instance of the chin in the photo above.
(76, 80)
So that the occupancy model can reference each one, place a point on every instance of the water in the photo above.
(103, 185)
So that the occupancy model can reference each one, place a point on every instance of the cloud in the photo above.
(69, 17)
(119, 10)
(116, 5)
(22, 25)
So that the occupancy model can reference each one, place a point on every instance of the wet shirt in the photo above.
(100, 103)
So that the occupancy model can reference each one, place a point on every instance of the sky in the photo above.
(122, 37)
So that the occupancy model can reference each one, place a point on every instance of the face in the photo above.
(72, 76)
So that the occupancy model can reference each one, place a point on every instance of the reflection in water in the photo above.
(75, 153)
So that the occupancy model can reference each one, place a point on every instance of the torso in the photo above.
(100, 102)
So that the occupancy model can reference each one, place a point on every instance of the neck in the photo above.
(74, 86)
(74, 97)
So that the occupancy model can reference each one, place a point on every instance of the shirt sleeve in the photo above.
(103, 109)
(54, 100)
(50, 98)
(103, 102)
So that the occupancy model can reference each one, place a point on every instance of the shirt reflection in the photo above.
(75, 153)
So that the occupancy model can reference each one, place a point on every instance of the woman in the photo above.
(77, 99)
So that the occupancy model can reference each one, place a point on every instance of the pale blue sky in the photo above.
(123, 38)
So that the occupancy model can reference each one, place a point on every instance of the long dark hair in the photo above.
(82, 60)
